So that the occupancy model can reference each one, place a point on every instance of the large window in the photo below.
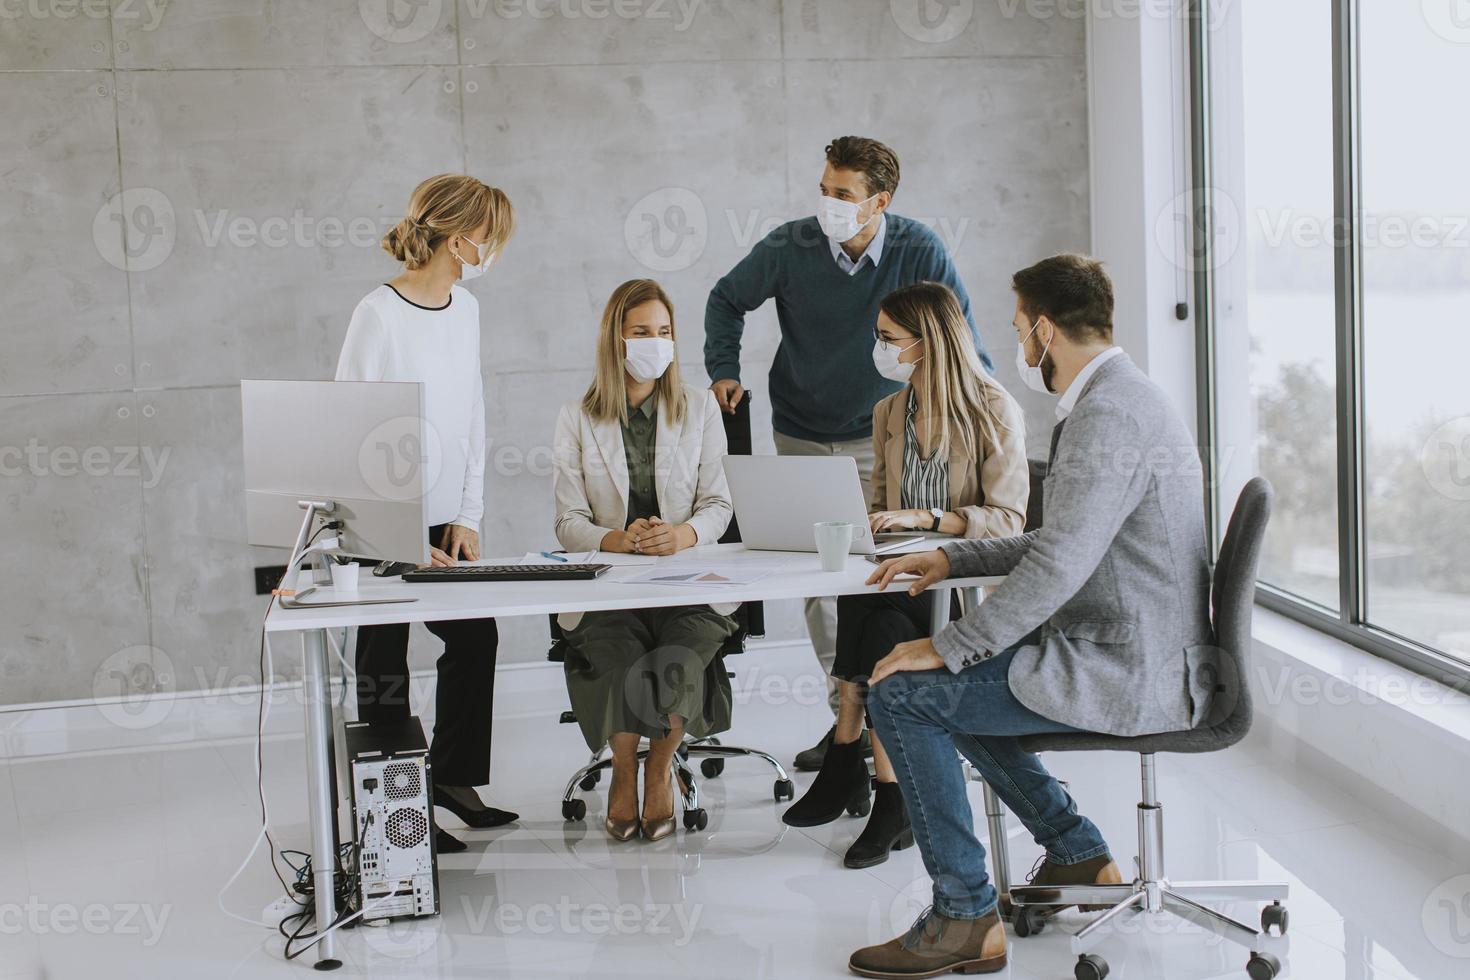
(1416, 322)
(1334, 221)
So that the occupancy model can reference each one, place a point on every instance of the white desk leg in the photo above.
(938, 609)
(317, 699)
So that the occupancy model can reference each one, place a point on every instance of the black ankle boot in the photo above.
(888, 829)
(841, 784)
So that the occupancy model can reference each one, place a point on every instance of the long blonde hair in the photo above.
(444, 206)
(955, 389)
(607, 396)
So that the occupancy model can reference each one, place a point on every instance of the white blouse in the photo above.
(392, 339)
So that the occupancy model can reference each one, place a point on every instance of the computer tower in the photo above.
(393, 819)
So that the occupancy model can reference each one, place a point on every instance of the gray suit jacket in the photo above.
(1116, 578)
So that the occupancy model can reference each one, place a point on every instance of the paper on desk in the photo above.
(707, 575)
(588, 558)
(572, 558)
(618, 558)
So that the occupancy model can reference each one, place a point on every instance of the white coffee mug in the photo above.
(344, 577)
(834, 538)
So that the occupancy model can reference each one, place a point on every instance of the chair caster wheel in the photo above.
(861, 808)
(573, 809)
(1090, 967)
(590, 781)
(695, 819)
(785, 790)
(1030, 920)
(712, 767)
(1274, 915)
(1263, 966)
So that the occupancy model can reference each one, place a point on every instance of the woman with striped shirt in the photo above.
(949, 457)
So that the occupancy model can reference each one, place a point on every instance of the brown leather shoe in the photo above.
(1094, 871)
(936, 944)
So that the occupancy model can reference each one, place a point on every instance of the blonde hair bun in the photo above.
(408, 242)
(446, 205)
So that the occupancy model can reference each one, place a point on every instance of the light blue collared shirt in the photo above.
(873, 252)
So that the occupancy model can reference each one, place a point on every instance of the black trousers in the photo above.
(869, 627)
(460, 751)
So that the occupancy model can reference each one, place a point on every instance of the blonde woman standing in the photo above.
(949, 457)
(424, 326)
(638, 470)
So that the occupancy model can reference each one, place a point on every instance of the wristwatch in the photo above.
(938, 513)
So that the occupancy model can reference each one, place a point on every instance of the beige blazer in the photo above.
(989, 493)
(591, 481)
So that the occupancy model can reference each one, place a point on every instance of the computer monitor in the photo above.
(358, 444)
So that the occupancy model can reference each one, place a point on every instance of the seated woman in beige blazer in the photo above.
(638, 469)
(949, 456)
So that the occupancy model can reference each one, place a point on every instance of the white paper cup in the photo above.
(834, 538)
(344, 577)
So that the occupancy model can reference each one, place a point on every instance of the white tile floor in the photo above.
(115, 840)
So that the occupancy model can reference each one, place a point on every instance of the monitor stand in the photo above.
(291, 598)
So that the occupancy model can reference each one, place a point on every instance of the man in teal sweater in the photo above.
(827, 274)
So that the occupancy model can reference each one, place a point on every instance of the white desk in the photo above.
(802, 577)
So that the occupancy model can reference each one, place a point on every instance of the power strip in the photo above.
(275, 913)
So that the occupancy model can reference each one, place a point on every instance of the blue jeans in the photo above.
(922, 717)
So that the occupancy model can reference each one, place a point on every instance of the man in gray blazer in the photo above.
(1097, 627)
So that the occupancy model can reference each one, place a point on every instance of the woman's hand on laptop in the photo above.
(929, 566)
(913, 655)
(900, 520)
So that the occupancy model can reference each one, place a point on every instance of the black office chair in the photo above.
(1230, 716)
(711, 751)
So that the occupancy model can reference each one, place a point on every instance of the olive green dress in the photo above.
(628, 670)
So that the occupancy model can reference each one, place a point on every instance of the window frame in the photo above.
(1350, 622)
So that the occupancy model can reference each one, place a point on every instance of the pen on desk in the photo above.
(553, 556)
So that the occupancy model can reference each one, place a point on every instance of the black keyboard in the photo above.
(506, 573)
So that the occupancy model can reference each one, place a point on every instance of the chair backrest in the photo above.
(737, 438)
(1037, 470)
(1222, 671)
(1232, 602)
(752, 615)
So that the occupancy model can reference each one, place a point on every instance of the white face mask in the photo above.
(470, 270)
(839, 218)
(885, 359)
(648, 357)
(1032, 377)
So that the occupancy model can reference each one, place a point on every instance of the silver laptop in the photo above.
(778, 499)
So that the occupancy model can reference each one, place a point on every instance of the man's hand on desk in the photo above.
(459, 542)
(929, 566)
(913, 655)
